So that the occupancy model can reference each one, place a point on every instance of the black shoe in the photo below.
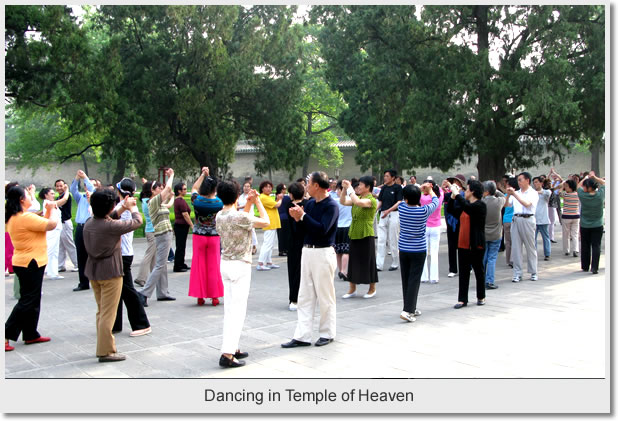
(294, 343)
(230, 363)
(491, 286)
(323, 341)
(187, 267)
(553, 241)
(62, 270)
(546, 258)
(80, 288)
(181, 270)
(240, 355)
(392, 268)
(379, 270)
(594, 272)
(166, 299)
(139, 282)
(480, 302)
(460, 305)
(143, 298)
(116, 331)
(340, 274)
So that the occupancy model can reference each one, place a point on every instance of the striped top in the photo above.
(412, 223)
(159, 215)
(570, 209)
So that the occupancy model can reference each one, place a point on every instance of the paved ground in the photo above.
(551, 328)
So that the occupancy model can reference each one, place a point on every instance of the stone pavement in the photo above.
(555, 327)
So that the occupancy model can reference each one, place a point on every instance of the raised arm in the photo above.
(167, 191)
(200, 180)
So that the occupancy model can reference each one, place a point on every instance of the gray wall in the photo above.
(243, 166)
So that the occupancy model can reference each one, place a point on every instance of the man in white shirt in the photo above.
(523, 227)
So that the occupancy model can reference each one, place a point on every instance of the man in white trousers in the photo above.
(389, 199)
(318, 264)
(67, 245)
(234, 228)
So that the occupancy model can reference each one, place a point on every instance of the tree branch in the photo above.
(92, 145)
(54, 143)
(324, 130)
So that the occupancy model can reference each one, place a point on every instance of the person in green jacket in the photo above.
(591, 192)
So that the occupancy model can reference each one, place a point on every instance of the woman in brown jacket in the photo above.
(104, 266)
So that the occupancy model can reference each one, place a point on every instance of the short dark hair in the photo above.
(228, 191)
(537, 178)
(412, 195)
(56, 182)
(572, 184)
(44, 191)
(280, 188)
(512, 182)
(400, 178)
(526, 175)
(296, 190)
(209, 185)
(178, 188)
(300, 180)
(392, 173)
(367, 180)
(102, 202)
(146, 190)
(321, 178)
(264, 184)
(476, 188)
(591, 184)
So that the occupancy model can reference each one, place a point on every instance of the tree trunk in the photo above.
(490, 167)
(121, 167)
(305, 167)
(595, 152)
(85, 164)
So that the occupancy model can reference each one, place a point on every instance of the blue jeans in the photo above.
(489, 260)
(544, 230)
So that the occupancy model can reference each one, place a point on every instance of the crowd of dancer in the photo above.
(326, 228)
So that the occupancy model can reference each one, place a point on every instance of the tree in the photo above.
(428, 92)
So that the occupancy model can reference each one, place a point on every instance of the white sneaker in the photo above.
(407, 316)
(273, 266)
(141, 332)
(55, 278)
(293, 307)
(352, 295)
(75, 270)
(451, 274)
(417, 312)
(260, 267)
(435, 281)
(534, 277)
(516, 279)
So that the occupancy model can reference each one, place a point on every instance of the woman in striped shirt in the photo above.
(412, 243)
(570, 218)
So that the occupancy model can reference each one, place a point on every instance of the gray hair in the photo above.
(490, 187)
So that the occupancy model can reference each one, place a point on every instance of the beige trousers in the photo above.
(148, 263)
(107, 296)
(317, 269)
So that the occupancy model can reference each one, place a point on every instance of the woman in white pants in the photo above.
(432, 235)
(234, 229)
(271, 205)
(53, 236)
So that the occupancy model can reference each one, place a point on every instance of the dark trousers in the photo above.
(135, 308)
(82, 256)
(283, 236)
(181, 231)
(25, 315)
(453, 239)
(295, 253)
(411, 266)
(468, 260)
(591, 240)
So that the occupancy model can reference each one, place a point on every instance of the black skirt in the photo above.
(342, 240)
(362, 267)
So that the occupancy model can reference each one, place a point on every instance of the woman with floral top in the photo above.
(235, 227)
(205, 279)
